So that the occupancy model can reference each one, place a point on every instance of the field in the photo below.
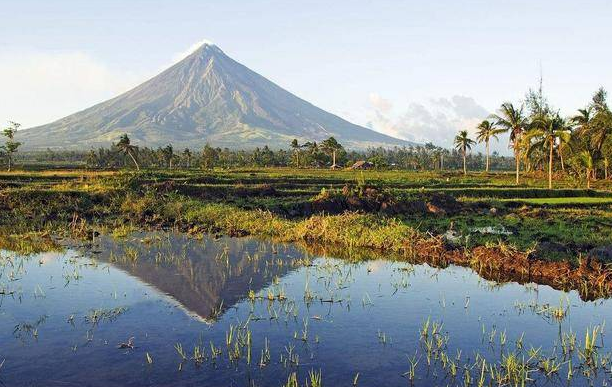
(265, 277)
(476, 210)
(366, 209)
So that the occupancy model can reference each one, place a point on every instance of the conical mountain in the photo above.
(205, 98)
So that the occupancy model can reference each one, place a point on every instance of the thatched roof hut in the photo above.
(362, 164)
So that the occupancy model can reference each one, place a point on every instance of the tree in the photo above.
(295, 145)
(187, 155)
(463, 143)
(599, 100)
(585, 160)
(9, 149)
(512, 120)
(582, 120)
(600, 128)
(331, 147)
(209, 157)
(564, 143)
(582, 123)
(486, 131)
(126, 147)
(168, 154)
(266, 156)
(92, 159)
(545, 131)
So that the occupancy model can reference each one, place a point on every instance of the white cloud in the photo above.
(379, 103)
(38, 88)
(437, 120)
(183, 54)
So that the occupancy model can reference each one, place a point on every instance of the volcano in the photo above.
(205, 98)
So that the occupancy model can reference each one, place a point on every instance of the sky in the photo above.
(418, 70)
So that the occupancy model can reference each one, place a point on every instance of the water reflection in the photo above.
(206, 276)
(65, 316)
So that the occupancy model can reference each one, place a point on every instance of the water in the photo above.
(339, 317)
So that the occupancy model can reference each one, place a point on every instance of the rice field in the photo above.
(167, 309)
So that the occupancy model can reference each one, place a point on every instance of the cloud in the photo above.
(379, 103)
(461, 106)
(437, 120)
(38, 88)
(185, 53)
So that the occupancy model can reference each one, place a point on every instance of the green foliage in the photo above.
(126, 147)
(261, 201)
(11, 146)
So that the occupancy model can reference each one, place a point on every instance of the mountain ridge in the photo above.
(205, 98)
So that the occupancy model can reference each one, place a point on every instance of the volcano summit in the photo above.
(205, 98)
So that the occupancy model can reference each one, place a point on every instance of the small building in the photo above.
(362, 164)
(335, 166)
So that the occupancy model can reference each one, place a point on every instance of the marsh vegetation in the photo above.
(354, 278)
(162, 308)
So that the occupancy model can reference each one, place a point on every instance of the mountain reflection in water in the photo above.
(205, 276)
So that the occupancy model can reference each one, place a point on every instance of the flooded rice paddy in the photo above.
(164, 309)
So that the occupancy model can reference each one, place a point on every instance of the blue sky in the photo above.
(414, 69)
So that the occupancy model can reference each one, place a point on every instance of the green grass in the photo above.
(564, 200)
(261, 202)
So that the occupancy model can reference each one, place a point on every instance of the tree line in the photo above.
(310, 154)
(542, 139)
(125, 154)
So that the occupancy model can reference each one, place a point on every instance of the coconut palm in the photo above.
(582, 125)
(564, 142)
(512, 119)
(600, 128)
(187, 155)
(544, 133)
(331, 147)
(582, 120)
(463, 143)
(168, 155)
(126, 147)
(486, 131)
(295, 145)
(599, 102)
(585, 160)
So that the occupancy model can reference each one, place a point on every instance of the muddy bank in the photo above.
(373, 200)
(592, 279)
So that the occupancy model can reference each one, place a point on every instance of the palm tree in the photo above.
(331, 146)
(582, 120)
(312, 152)
(463, 143)
(168, 154)
(564, 142)
(545, 131)
(599, 100)
(512, 120)
(126, 147)
(486, 131)
(585, 159)
(600, 128)
(295, 145)
(187, 155)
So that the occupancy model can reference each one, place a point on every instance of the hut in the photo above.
(362, 164)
